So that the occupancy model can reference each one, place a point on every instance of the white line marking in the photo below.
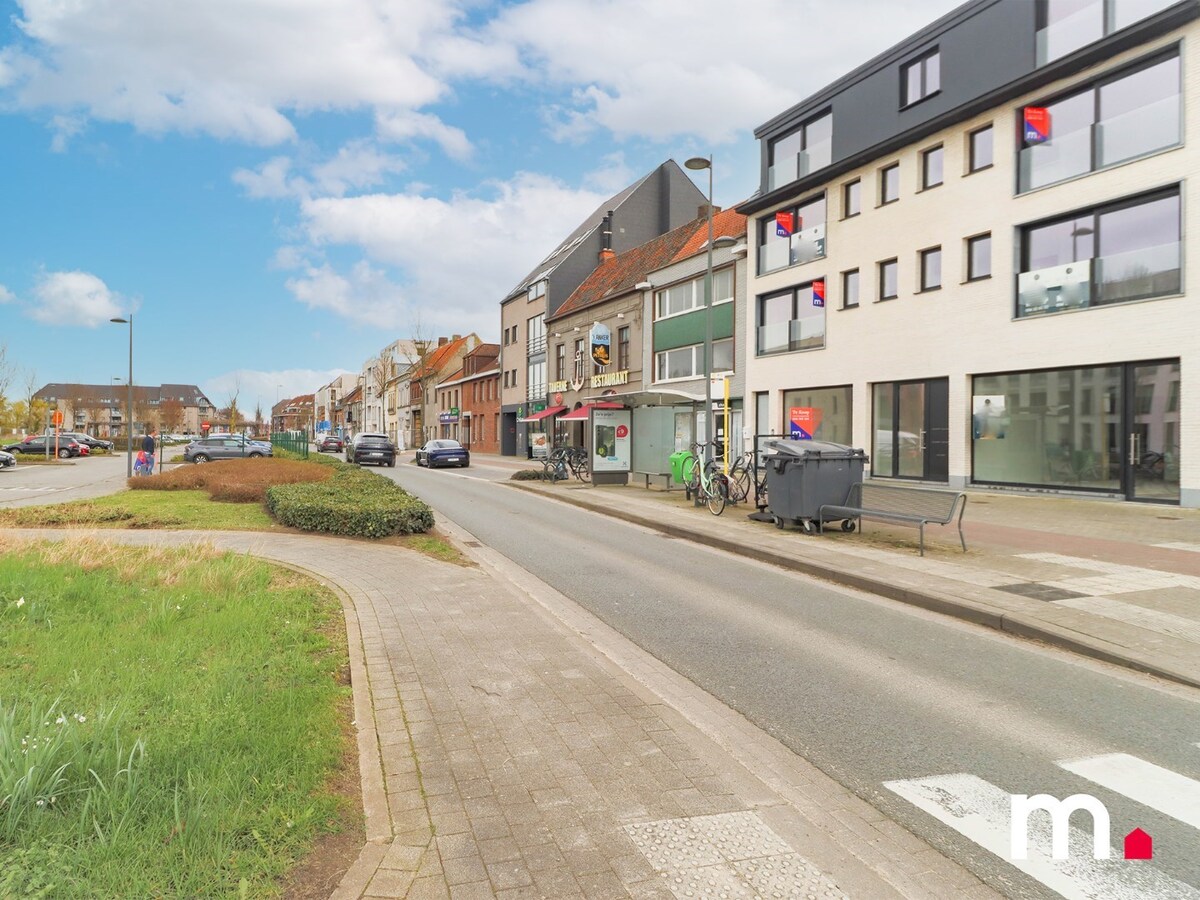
(1168, 792)
(980, 812)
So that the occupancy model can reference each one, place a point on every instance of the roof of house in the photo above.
(436, 359)
(188, 394)
(623, 272)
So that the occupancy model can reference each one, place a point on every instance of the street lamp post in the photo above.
(129, 399)
(698, 163)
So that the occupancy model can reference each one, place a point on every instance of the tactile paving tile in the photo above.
(729, 855)
(788, 878)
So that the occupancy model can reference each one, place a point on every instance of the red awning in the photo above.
(545, 413)
(582, 413)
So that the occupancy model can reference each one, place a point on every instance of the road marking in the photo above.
(42, 489)
(981, 812)
(1114, 578)
(1132, 614)
(1161, 789)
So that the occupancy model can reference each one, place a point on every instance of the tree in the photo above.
(171, 411)
(258, 419)
(234, 414)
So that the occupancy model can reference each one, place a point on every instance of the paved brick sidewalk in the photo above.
(1115, 581)
(514, 746)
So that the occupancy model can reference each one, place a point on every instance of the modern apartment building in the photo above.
(968, 253)
(101, 408)
(661, 200)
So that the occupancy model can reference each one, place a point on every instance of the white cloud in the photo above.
(461, 256)
(357, 165)
(74, 298)
(289, 258)
(255, 387)
(229, 68)
(403, 126)
(272, 180)
(6, 296)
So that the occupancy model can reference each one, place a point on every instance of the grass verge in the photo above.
(144, 509)
(169, 721)
(233, 480)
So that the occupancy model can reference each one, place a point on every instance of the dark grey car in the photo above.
(208, 449)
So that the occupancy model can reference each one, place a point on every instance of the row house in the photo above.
(101, 409)
(468, 402)
(968, 253)
(633, 336)
(327, 403)
(440, 363)
(294, 414)
(653, 205)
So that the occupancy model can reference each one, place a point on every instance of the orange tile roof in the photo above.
(726, 223)
(437, 357)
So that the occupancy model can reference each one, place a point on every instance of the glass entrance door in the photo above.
(1152, 431)
(911, 435)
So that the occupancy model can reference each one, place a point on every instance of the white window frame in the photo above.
(696, 350)
(697, 286)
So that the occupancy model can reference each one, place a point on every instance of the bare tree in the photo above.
(234, 413)
(171, 411)
(35, 410)
(8, 372)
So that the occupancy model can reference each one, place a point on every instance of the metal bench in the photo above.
(898, 503)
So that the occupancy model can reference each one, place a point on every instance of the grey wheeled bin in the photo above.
(803, 476)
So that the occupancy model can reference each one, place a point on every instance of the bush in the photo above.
(352, 503)
(233, 480)
(527, 475)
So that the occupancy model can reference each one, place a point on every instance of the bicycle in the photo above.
(707, 483)
(564, 462)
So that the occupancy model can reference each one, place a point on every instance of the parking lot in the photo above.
(29, 483)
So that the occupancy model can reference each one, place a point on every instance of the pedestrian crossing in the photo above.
(30, 489)
(982, 812)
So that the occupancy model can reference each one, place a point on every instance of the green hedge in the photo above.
(352, 502)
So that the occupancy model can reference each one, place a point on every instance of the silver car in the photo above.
(234, 447)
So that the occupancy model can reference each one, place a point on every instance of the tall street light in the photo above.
(699, 163)
(129, 399)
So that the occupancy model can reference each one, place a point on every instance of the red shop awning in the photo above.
(582, 413)
(544, 414)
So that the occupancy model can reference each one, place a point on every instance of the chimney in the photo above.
(702, 211)
(457, 337)
(606, 247)
(442, 341)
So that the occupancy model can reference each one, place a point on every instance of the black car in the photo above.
(371, 448)
(7, 460)
(443, 452)
(93, 442)
(36, 446)
(330, 442)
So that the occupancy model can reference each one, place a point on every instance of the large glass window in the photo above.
(921, 78)
(536, 335)
(1113, 254)
(793, 319)
(1020, 437)
(808, 148)
(688, 362)
(830, 412)
(1066, 25)
(689, 295)
(806, 243)
(1131, 114)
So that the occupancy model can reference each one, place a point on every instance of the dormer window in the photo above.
(921, 78)
(796, 154)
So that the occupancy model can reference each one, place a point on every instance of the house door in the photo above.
(912, 433)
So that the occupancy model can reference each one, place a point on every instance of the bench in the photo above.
(899, 503)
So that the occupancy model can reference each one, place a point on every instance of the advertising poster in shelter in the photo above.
(610, 440)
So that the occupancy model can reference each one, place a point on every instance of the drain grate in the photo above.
(473, 543)
(1036, 591)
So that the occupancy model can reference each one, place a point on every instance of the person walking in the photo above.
(148, 448)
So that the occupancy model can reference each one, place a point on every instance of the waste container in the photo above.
(679, 460)
(803, 476)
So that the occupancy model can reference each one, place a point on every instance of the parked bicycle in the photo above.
(566, 462)
(706, 482)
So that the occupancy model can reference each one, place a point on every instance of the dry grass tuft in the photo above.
(234, 480)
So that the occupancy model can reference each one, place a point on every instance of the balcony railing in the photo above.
(536, 392)
(1117, 278)
(798, 334)
(536, 345)
(803, 246)
(818, 156)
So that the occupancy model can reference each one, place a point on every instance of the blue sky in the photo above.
(278, 190)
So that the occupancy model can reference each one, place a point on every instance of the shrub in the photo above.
(353, 503)
(233, 480)
(527, 475)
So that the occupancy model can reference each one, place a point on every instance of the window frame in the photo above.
(846, 188)
(623, 348)
(697, 285)
(926, 154)
(922, 257)
(920, 63)
(801, 131)
(970, 244)
(972, 168)
(695, 348)
(793, 292)
(883, 180)
(857, 288)
(881, 267)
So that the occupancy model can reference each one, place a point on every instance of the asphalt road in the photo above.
(874, 692)
(29, 484)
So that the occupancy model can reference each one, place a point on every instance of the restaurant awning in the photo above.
(582, 413)
(544, 414)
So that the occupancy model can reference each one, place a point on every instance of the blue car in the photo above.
(443, 452)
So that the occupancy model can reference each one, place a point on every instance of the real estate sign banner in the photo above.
(610, 440)
(803, 422)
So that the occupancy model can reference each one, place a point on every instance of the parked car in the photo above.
(235, 447)
(35, 445)
(330, 442)
(370, 447)
(443, 452)
(88, 441)
(7, 460)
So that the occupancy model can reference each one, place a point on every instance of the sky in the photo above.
(277, 189)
